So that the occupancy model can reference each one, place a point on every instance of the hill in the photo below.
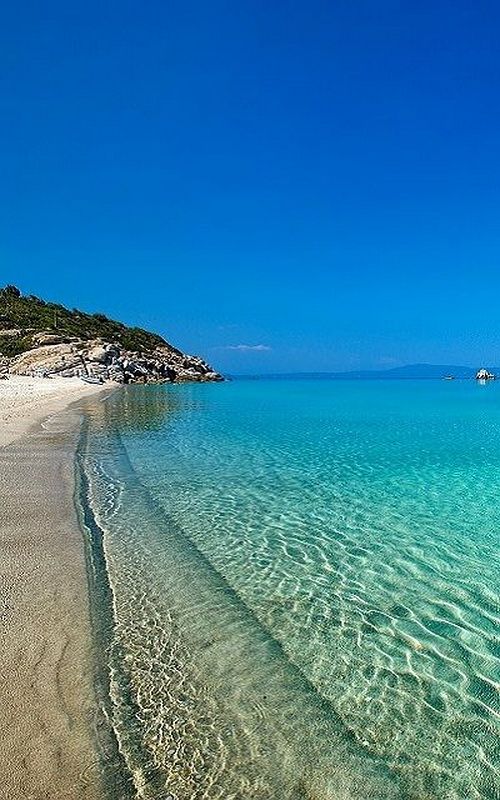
(42, 337)
(30, 315)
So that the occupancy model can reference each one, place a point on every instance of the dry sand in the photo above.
(26, 401)
(47, 705)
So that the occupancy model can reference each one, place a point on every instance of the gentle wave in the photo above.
(205, 702)
(336, 550)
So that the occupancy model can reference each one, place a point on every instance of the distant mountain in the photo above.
(414, 371)
(409, 372)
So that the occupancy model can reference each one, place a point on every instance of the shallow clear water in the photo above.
(305, 587)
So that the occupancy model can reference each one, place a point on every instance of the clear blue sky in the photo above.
(318, 180)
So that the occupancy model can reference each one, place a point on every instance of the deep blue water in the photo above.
(305, 580)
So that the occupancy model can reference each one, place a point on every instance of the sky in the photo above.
(277, 186)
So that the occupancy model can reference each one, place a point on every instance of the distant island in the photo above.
(409, 371)
(40, 338)
(422, 371)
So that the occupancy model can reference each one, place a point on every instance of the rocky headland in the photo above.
(46, 339)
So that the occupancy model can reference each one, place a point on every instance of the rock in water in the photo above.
(484, 375)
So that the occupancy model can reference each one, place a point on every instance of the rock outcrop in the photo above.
(40, 338)
(484, 375)
(97, 358)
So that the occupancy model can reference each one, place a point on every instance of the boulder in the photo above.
(484, 375)
(10, 332)
(107, 360)
(98, 353)
(47, 337)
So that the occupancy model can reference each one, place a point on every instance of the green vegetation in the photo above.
(29, 315)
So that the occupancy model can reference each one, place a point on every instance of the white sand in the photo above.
(47, 702)
(25, 401)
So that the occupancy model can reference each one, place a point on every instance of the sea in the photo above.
(295, 588)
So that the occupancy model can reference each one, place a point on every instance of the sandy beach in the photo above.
(47, 707)
(24, 402)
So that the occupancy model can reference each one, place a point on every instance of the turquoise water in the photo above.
(305, 586)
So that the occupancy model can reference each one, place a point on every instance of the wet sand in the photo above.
(47, 703)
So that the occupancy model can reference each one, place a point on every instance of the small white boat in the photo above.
(91, 380)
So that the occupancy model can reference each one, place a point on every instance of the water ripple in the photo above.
(355, 532)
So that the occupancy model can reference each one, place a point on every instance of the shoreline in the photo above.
(115, 772)
(26, 403)
(48, 707)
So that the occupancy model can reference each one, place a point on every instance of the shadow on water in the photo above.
(149, 408)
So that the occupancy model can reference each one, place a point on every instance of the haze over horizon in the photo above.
(294, 187)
